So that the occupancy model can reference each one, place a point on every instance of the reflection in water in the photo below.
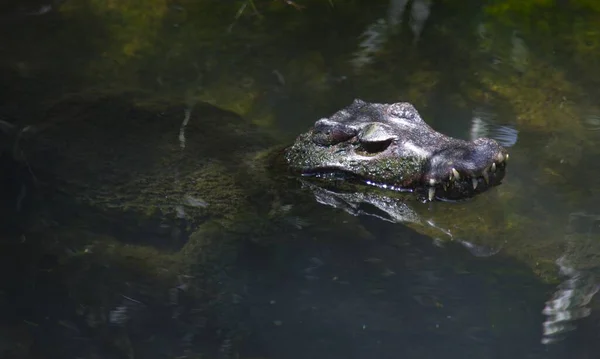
(480, 251)
(579, 265)
(519, 53)
(592, 121)
(122, 313)
(395, 210)
(373, 40)
(43, 9)
(376, 34)
(370, 298)
(484, 124)
(568, 304)
(570, 301)
(419, 13)
(10, 138)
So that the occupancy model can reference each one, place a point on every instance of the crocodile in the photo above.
(169, 192)
(195, 179)
(156, 170)
(390, 146)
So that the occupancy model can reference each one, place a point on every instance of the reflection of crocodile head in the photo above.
(390, 146)
(398, 208)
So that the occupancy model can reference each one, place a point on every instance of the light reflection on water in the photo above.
(392, 293)
(484, 124)
(579, 268)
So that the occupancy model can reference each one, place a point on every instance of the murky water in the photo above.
(195, 258)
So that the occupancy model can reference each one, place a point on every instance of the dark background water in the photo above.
(522, 72)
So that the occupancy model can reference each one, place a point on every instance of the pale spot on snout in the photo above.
(403, 122)
(419, 151)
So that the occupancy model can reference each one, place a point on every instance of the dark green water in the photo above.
(286, 275)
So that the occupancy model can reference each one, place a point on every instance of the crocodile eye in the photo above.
(328, 133)
(376, 137)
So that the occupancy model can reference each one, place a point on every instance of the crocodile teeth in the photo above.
(432, 182)
(445, 186)
(493, 168)
(431, 193)
(475, 182)
(506, 159)
(455, 174)
(500, 158)
(486, 177)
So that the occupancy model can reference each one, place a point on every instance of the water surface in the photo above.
(512, 274)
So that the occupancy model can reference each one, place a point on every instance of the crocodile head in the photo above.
(390, 146)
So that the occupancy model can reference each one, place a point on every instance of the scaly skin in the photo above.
(390, 146)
